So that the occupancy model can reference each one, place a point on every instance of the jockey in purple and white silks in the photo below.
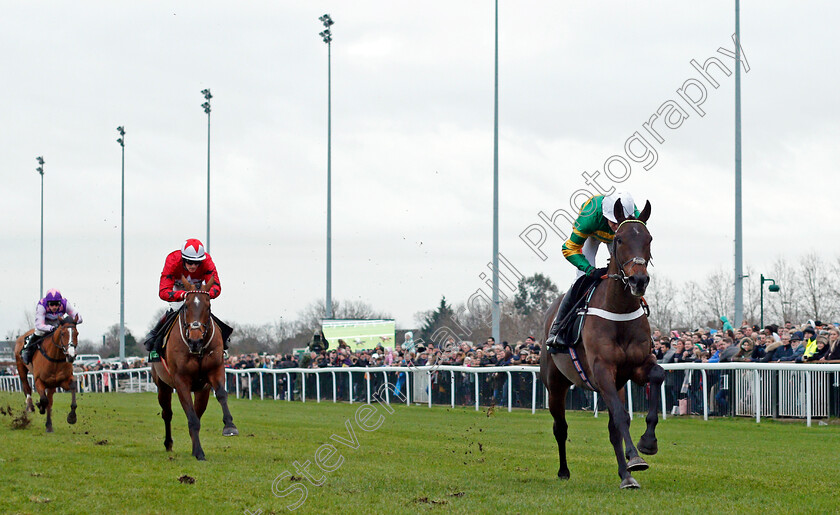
(48, 314)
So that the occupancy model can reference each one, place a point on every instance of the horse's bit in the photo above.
(196, 325)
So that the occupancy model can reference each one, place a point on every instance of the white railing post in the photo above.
(510, 392)
(808, 397)
(705, 394)
(629, 391)
(662, 398)
(757, 396)
(335, 399)
(452, 387)
(595, 403)
(533, 392)
(476, 391)
(429, 376)
(350, 384)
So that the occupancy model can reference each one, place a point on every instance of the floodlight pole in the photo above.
(206, 106)
(327, 37)
(495, 309)
(40, 171)
(739, 238)
(121, 141)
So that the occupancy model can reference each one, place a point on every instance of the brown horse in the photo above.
(51, 367)
(613, 351)
(193, 362)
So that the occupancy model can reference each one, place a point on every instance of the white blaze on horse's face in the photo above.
(196, 301)
(71, 349)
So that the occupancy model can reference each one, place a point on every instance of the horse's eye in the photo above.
(617, 240)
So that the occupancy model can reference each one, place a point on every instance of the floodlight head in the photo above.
(121, 130)
(40, 160)
(206, 106)
(326, 20)
(40, 170)
(774, 288)
(206, 93)
(120, 141)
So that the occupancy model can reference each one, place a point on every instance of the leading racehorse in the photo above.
(193, 362)
(51, 368)
(616, 348)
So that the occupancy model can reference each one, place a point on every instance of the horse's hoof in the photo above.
(629, 482)
(649, 449)
(49, 429)
(230, 431)
(563, 474)
(635, 464)
(71, 417)
(42, 410)
(201, 457)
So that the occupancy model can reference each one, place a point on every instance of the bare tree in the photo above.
(661, 295)
(718, 295)
(752, 300)
(784, 306)
(817, 298)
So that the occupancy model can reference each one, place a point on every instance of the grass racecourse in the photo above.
(418, 460)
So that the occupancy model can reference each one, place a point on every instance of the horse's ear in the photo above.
(209, 284)
(188, 286)
(618, 212)
(645, 214)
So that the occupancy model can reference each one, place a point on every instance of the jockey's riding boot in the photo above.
(149, 342)
(555, 339)
(28, 351)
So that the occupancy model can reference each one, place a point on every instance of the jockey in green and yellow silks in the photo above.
(594, 225)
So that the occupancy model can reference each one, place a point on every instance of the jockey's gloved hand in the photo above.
(180, 295)
(595, 272)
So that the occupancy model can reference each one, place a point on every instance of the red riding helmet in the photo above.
(193, 250)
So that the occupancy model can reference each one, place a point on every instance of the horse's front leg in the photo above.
(647, 443)
(71, 385)
(42, 396)
(183, 388)
(619, 425)
(50, 392)
(217, 381)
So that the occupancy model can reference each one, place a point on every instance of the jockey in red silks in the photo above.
(194, 264)
(48, 314)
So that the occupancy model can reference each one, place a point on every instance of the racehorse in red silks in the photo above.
(616, 348)
(193, 363)
(51, 368)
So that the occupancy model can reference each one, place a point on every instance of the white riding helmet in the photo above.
(193, 250)
(608, 205)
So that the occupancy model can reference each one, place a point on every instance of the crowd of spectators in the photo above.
(465, 353)
(809, 342)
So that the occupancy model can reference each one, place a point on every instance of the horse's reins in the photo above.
(60, 347)
(195, 325)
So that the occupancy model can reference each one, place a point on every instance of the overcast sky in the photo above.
(412, 143)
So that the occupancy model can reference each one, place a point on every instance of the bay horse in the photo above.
(613, 351)
(51, 368)
(193, 363)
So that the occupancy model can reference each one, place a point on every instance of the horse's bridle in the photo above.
(196, 325)
(621, 276)
(59, 346)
